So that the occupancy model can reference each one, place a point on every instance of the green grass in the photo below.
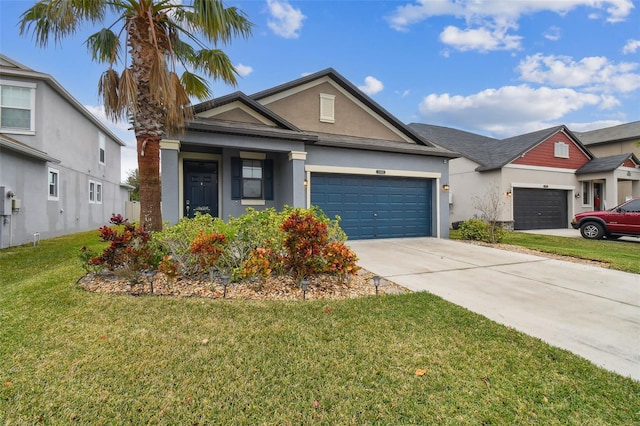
(621, 255)
(68, 356)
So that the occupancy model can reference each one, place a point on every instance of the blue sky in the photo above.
(498, 68)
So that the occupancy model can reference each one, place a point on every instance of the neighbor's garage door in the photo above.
(539, 208)
(375, 206)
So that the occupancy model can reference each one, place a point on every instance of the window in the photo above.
(98, 193)
(17, 106)
(53, 184)
(327, 108)
(101, 153)
(92, 191)
(561, 150)
(586, 193)
(95, 192)
(251, 179)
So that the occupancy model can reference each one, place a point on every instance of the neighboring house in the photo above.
(59, 166)
(612, 141)
(542, 178)
(317, 140)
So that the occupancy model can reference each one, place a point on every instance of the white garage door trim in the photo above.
(377, 172)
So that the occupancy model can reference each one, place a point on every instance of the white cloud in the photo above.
(553, 34)
(244, 70)
(594, 73)
(285, 21)
(371, 86)
(594, 125)
(508, 110)
(481, 39)
(631, 46)
(488, 21)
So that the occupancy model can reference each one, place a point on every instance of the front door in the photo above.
(200, 188)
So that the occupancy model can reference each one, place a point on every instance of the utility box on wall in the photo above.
(5, 202)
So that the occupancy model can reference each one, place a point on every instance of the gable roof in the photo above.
(620, 133)
(606, 164)
(285, 130)
(488, 152)
(353, 91)
(249, 102)
(9, 67)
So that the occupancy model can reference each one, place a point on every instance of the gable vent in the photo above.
(327, 108)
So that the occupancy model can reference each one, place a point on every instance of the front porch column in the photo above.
(610, 192)
(169, 164)
(298, 176)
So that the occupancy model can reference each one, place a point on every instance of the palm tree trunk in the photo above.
(149, 169)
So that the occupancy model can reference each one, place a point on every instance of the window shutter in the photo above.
(268, 179)
(236, 178)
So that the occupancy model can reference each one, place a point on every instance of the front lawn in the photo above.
(69, 356)
(620, 255)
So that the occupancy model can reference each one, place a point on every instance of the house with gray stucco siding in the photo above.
(59, 165)
(317, 140)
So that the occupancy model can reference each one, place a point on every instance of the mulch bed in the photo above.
(273, 288)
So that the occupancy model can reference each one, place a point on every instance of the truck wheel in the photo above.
(592, 231)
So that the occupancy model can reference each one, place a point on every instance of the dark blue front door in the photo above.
(200, 188)
(375, 206)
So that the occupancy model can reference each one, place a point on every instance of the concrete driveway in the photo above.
(590, 311)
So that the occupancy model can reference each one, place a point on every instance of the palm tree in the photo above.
(159, 36)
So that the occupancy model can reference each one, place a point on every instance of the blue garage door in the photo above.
(375, 206)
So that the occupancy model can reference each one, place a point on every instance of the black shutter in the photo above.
(268, 179)
(236, 178)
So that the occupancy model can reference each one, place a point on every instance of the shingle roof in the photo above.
(611, 134)
(343, 141)
(17, 146)
(489, 153)
(606, 164)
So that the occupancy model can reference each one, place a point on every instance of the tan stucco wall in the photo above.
(606, 150)
(237, 115)
(302, 109)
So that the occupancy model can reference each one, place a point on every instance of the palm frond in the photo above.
(59, 18)
(128, 91)
(217, 22)
(194, 85)
(108, 90)
(217, 64)
(104, 46)
(160, 80)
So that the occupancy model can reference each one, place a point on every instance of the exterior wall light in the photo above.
(577, 195)
(305, 183)
(445, 187)
(508, 193)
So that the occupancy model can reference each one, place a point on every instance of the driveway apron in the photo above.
(591, 311)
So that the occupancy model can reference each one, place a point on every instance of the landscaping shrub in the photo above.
(176, 239)
(256, 245)
(479, 230)
(208, 247)
(339, 260)
(474, 230)
(305, 240)
(129, 253)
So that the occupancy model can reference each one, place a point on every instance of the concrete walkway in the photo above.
(590, 311)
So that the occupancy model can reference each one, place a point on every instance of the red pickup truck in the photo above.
(622, 220)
